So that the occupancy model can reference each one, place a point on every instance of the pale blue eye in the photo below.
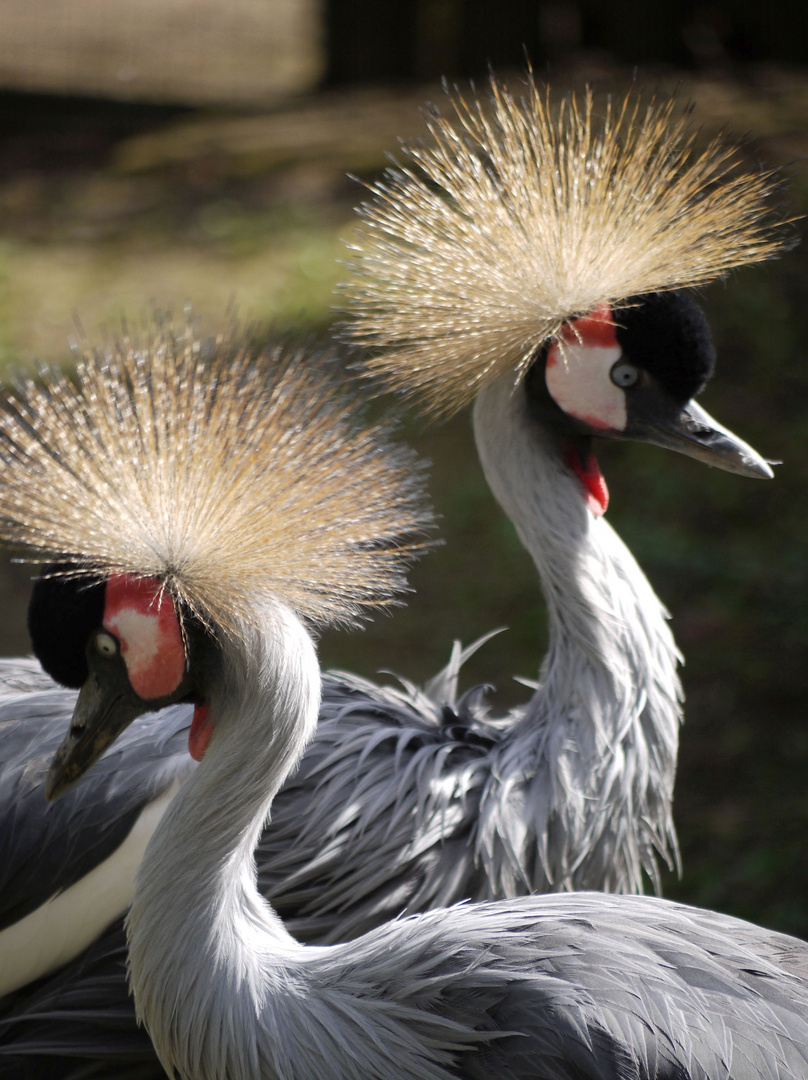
(624, 374)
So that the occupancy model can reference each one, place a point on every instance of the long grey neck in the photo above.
(600, 734)
(199, 930)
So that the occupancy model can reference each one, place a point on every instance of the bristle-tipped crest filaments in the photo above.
(523, 213)
(226, 472)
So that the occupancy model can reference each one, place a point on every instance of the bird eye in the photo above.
(624, 374)
(106, 644)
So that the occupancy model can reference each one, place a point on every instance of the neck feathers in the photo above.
(595, 750)
(199, 865)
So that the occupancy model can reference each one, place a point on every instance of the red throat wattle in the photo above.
(200, 732)
(141, 614)
(588, 471)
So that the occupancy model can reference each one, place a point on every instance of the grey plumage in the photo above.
(79, 1021)
(575, 987)
(44, 849)
(569, 987)
(583, 936)
(408, 801)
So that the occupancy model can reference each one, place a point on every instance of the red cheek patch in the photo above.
(142, 616)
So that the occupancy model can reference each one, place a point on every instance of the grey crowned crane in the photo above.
(536, 258)
(402, 803)
(208, 585)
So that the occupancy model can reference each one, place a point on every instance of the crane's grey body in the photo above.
(47, 849)
(407, 800)
(567, 987)
(410, 806)
(57, 906)
(196, 588)
(391, 812)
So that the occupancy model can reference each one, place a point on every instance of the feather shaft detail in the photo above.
(194, 461)
(521, 213)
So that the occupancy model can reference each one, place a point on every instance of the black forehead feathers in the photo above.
(62, 614)
(667, 334)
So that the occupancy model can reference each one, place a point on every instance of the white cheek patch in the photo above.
(577, 377)
(145, 623)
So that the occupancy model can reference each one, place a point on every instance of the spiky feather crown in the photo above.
(223, 470)
(524, 213)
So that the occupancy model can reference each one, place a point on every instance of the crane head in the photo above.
(633, 373)
(122, 643)
(184, 484)
(523, 213)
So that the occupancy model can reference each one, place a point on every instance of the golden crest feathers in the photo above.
(225, 470)
(523, 213)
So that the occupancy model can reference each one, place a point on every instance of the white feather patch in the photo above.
(63, 926)
(579, 382)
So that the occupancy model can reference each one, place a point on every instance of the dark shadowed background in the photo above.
(159, 151)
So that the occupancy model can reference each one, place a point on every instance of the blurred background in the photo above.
(155, 152)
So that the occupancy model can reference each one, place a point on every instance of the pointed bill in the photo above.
(101, 713)
(695, 433)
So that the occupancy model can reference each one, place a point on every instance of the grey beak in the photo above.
(694, 432)
(98, 718)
